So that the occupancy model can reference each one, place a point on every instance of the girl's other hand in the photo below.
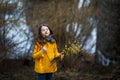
(61, 57)
(44, 49)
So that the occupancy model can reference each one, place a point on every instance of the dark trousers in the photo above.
(45, 76)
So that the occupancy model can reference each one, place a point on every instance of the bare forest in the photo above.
(87, 31)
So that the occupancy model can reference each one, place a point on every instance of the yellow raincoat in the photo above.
(43, 61)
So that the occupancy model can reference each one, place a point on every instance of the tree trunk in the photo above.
(108, 30)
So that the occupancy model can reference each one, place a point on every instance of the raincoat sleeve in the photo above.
(37, 53)
(57, 54)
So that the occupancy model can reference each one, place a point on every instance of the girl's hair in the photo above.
(41, 39)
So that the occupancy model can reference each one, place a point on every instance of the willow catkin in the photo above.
(73, 48)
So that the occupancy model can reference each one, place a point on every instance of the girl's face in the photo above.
(45, 31)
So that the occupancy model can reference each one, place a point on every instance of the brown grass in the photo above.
(73, 67)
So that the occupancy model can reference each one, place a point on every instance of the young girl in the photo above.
(45, 50)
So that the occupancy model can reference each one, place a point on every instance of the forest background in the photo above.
(73, 22)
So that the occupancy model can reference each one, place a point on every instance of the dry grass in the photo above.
(67, 70)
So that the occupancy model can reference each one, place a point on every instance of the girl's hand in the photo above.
(61, 57)
(44, 49)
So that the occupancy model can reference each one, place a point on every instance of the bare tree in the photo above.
(68, 22)
(15, 36)
(108, 32)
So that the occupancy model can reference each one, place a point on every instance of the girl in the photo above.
(45, 50)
